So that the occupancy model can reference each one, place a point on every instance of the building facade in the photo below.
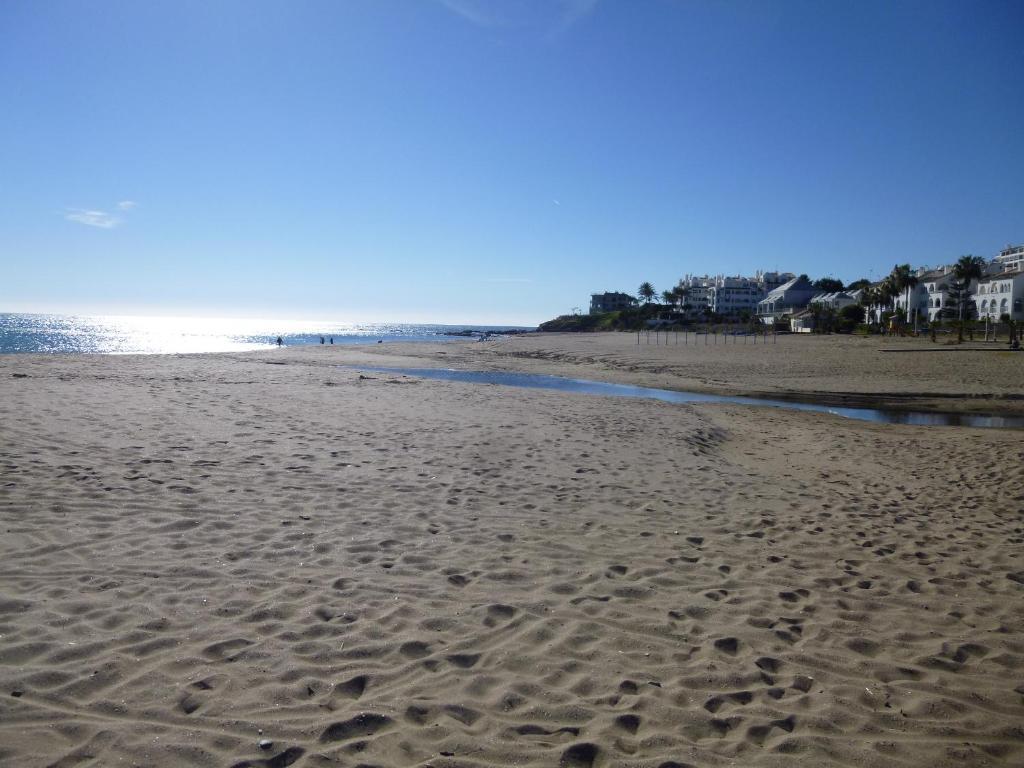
(610, 301)
(999, 295)
(788, 299)
(1010, 259)
(729, 296)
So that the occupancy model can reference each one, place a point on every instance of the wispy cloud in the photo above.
(550, 15)
(474, 11)
(576, 10)
(91, 217)
(99, 219)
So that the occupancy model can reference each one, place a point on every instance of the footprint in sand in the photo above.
(414, 649)
(353, 688)
(364, 724)
(584, 755)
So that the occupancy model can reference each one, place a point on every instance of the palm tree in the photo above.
(683, 292)
(646, 292)
(886, 294)
(868, 299)
(669, 297)
(904, 280)
(966, 270)
(887, 291)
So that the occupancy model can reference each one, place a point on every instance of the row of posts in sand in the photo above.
(672, 337)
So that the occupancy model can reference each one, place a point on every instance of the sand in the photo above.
(203, 552)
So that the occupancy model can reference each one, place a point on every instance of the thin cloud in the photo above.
(554, 15)
(576, 10)
(472, 11)
(127, 205)
(98, 219)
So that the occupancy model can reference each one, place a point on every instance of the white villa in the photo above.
(788, 299)
(836, 300)
(999, 295)
(933, 289)
(730, 295)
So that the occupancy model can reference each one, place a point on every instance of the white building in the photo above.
(1011, 259)
(730, 296)
(999, 295)
(697, 292)
(788, 299)
(935, 284)
(834, 301)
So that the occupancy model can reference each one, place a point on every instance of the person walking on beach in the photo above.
(280, 341)
(332, 339)
(321, 339)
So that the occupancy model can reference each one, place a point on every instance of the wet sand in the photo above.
(200, 552)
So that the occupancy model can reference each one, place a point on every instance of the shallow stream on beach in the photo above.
(588, 387)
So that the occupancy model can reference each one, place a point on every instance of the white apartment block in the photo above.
(730, 295)
(999, 295)
(933, 291)
(1010, 259)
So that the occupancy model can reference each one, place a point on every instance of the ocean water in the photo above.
(116, 335)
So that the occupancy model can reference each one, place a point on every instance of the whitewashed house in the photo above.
(1001, 294)
(835, 300)
(936, 287)
(788, 299)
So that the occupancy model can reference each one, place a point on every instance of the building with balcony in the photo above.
(610, 302)
(999, 295)
(729, 296)
(788, 299)
(1010, 259)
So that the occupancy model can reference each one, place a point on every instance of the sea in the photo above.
(132, 335)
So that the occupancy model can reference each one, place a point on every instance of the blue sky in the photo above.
(491, 162)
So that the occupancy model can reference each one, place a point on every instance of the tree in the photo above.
(965, 271)
(828, 284)
(669, 297)
(904, 281)
(887, 291)
(850, 317)
(869, 298)
(646, 292)
(683, 292)
(856, 285)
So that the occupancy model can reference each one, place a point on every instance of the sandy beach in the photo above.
(264, 559)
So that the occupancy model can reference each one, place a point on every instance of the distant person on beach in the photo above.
(321, 339)
(280, 341)
(332, 339)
